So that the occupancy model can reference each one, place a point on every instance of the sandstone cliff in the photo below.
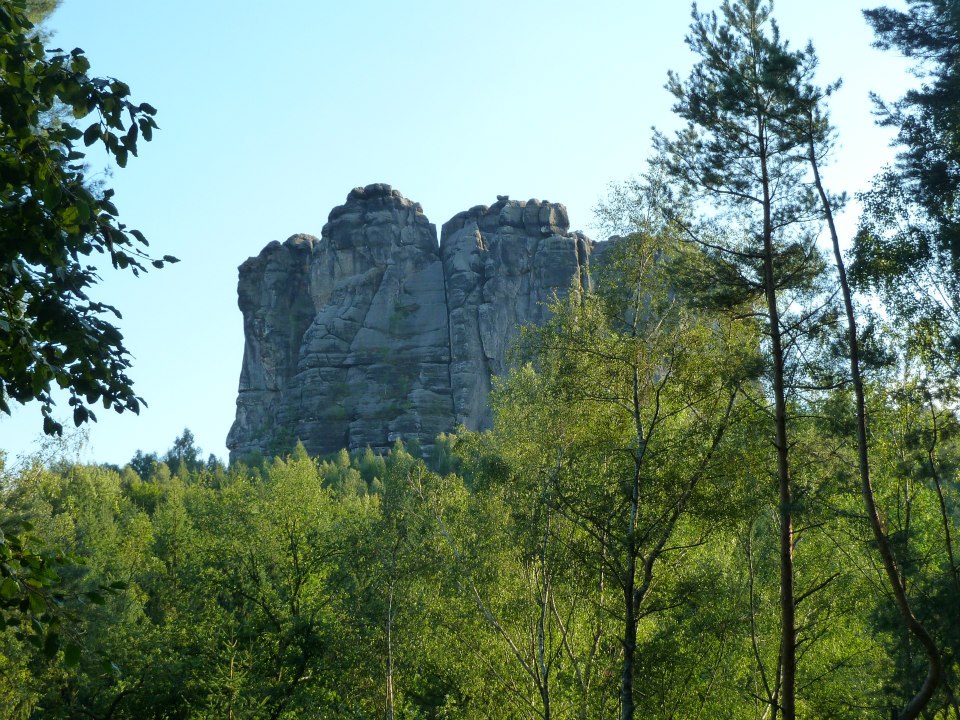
(375, 331)
(502, 266)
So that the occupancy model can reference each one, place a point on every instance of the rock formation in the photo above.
(502, 266)
(375, 332)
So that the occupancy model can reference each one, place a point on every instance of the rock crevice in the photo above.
(375, 331)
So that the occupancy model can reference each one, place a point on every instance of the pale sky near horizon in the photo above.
(271, 113)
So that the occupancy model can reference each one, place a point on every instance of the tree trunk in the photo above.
(944, 513)
(788, 633)
(542, 665)
(916, 705)
(389, 672)
(627, 707)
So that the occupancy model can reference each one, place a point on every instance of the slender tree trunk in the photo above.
(389, 678)
(771, 696)
(916, 705)
(627, 706)
(944, 514)
(788, 632)
(541, 659)
(787, 603)
(597, 636)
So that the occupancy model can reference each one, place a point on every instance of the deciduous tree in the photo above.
(629, 396)
(52, 332)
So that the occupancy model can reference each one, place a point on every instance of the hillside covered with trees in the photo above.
(721, 480)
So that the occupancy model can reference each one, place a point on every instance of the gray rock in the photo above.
(500, 275)
(274, 297)
(374, 332)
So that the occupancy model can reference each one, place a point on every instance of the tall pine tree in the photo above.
(741, 158)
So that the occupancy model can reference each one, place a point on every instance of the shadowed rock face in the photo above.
(374, 332)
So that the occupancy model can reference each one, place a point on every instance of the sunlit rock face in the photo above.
(503, 265)
(375, 332)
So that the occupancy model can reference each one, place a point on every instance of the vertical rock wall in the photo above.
(375, 332)
(274, 297)
(503, 265)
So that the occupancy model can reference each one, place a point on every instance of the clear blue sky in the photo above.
(271, 112)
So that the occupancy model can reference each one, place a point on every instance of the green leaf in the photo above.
(38, 605)
(9, 588)
(92, 134)
(51, 645)
(70, 215)
(52, 195)
(80, 64)
(71, 654)
(130, 139)
(51, 427)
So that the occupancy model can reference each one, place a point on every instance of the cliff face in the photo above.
(502, 266)
(374, 331)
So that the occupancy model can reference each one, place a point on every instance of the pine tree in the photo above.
(741, 160)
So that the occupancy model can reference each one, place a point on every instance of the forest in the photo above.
(721, 481)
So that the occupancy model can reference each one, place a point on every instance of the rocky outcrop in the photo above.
(375, 332)
(503, 264)
(274, 297)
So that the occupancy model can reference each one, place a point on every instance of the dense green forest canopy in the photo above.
(479, 583)
(721, 481)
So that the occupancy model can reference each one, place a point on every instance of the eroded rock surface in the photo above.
(375, 332)
(503, 265)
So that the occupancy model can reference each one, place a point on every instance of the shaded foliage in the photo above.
(52, 333)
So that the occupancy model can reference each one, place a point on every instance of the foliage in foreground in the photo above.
(53, 333)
